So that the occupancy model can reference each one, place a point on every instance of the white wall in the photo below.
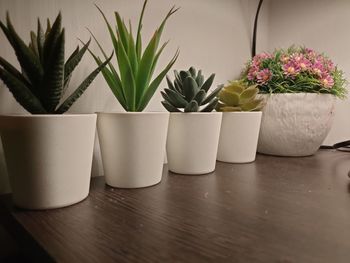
(322, 25)
(212, 34)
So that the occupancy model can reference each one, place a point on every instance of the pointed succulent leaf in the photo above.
(81, 88)
(34, 44)
(155, 83)
(176, 99)
(192, 106)
(22, 93)
(74, 60)
(200, 97)
(252, 105)
(192, 70)
(200, 79)
(53, 79)
(212, 95)
(211, 106)
(207, 84)
(110, 65)
(229, 98)
(11, 69)
(178, 77)
(190, 88)
(122, 31)
(112, 80)
(138, 37)
(170, 84)
(127, 78)
(40, 40)
(183, 75)
(30, 64)
(235, 87)
(145, 67)
(110, 30)
(169, 107)
(248, 94)
(51, 39)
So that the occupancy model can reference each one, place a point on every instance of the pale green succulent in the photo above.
(237, 96)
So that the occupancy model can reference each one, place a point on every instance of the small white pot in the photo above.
(239, 137)
(132, 147)
(192, 142)
(48, 158)
(295, 124)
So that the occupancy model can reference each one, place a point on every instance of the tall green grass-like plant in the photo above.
(133, 85)
(44, 76)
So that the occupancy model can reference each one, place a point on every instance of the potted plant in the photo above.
(194, 130)
(240, 122)
(300, 87)
(48, 155)
(133, 142)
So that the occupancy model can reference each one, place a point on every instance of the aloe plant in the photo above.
(44, 76)
(132, 85)
(237, 96)
(189, 92)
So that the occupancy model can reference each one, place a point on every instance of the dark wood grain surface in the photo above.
(273, 210)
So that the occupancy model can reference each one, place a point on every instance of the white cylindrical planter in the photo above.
(239, 136)
(48, 158)
(192, 142)
(132, 147)
(295, 124)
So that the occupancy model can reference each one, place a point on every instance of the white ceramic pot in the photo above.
(48, 158)
(132, 147)
(295, 124)
(192, 142)
(239, 136)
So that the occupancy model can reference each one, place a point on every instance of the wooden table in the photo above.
(273, 210)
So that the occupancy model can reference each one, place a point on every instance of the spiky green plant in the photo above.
(189, 92)
(44, 77)
(238, 96)
(132, 85)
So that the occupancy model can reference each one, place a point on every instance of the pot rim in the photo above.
(296, 94)
(132, 112)
(47, 115)
(197, 113)
(243, 112)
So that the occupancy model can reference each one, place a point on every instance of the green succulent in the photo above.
(189, 92)
(44, 77)
(133, 85)
(237, 96)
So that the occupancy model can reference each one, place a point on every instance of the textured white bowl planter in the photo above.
(48, 158)
(132, 147)
(192, 142)
(239, 136)
(295, 124)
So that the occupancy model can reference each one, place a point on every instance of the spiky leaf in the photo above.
(22, 93)
(81, 88)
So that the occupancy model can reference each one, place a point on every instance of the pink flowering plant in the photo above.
(295, 70)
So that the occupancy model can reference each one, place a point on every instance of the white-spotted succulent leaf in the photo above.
(237, 96)
(189, 92)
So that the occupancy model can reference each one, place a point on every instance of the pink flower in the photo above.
(327, 81)
(291, 69)
(259, 58)
(285, 58)
(317, 68)
(263, 76)
(253, 71)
